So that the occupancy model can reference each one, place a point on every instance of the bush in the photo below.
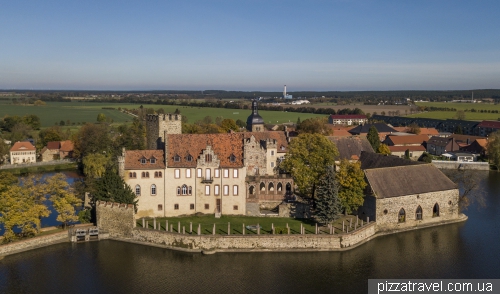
(280, 230)
(84, 216)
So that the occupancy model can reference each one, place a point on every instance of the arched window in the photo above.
(262, 187)
(131, 175)
(288, 187)
(159, 174)
(147, 174)
(156, 174)
(143, 174)
(271, 187)
(418, 213)
(153, 189)
(401, 216)
(435, 210)
(208, 157)
(251, 190)
(280, 187)
(178, 190)
(135, 175)
(184, 190)
(137, 190)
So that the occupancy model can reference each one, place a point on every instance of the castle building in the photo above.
(182, 174)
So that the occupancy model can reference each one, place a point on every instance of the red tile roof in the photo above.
(223, 145)
(23, 146)
(133, 159)
(67, 146)
(53, 145)
(489, 124)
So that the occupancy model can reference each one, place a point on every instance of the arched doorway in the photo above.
(271, 187)
(280, 187)
(262, 188)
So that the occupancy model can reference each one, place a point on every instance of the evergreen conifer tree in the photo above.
(328, 207)
(373, 138)
(111, 187)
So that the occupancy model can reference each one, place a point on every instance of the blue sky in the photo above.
(250, 45)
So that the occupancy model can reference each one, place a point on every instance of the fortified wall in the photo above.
(115, 218)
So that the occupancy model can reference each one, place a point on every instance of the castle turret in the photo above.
(159, 124)
(255, 123)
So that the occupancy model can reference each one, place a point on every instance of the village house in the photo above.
(347, 119)
(22, 152)
(400, 144)
(57, 150)
(350, 148)
(382, 129)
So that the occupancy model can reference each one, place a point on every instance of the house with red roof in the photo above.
(57, 150)
(22, 152)
(400, 144)
(486, 127)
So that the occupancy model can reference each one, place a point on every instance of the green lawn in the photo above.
(236, 224)
(80, 112)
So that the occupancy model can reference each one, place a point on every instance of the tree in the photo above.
(460, 115)
(315, 125)
(177, 111)
(328, 206)
(414, 129)
(383, 149)
(493, 149)
(33, 121)
(51, 134)
(373, 137)
(111, 187)
(458, 130)
(101, 118)
(407, 154)
(352, 183)
(92, 138)
(95, 164)
(20, 132)
(63, 198)
(132, 137)
(229, 124)
(307, 158)
(4, 150)
(469, 186)
(241, 123)
(426, 157)
(39, 103)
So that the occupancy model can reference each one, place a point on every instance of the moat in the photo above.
(463, 250)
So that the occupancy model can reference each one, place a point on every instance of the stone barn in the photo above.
(406, 196)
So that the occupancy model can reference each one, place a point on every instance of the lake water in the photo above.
(464, 250)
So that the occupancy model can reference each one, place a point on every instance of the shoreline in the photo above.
(62, 237)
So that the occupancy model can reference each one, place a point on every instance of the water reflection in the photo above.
(463, 250)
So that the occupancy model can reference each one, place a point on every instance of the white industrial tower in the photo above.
(284, 92)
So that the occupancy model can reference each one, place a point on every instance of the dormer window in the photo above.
(189, 158)
(152, 160)
(282, 147)
(232, 158)
(177, 158)
(143, 160)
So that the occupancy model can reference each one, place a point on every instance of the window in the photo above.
(282, 147)
(199, 173)
(272, 152)
(157, 174)
(189, 190)
(235, 207)
(235, 173)
(137, 190)
(152, 160)
(207, 190)
(184, 190)
(208, 174)
(217, 173)
(191, 206)
(153, 189)
(177, 158)
(418, 213)
(207, 206)
(132, 175)
(216, 190)
(232, 158)
(160, 207)
(226, 190)
(188, 173)
(143, 175)
(178, 190)
(176, 206)
(143, 160)
(272, 163)
(177, 173)
(147, 174)
(435, 210)
(189, 158)
(208, 157)
(401, 216)
(226, 173)
(235, 190)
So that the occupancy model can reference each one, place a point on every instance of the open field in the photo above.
(460, 106)
(207, 222)
(79, 112)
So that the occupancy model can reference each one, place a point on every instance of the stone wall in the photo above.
(115, 218)
(295, 210)
(442, 164)
(157, 125)
(33, 243)
(254, 242)
(387, 210)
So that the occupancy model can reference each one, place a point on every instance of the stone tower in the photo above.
(157, 125)
(255, 123)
